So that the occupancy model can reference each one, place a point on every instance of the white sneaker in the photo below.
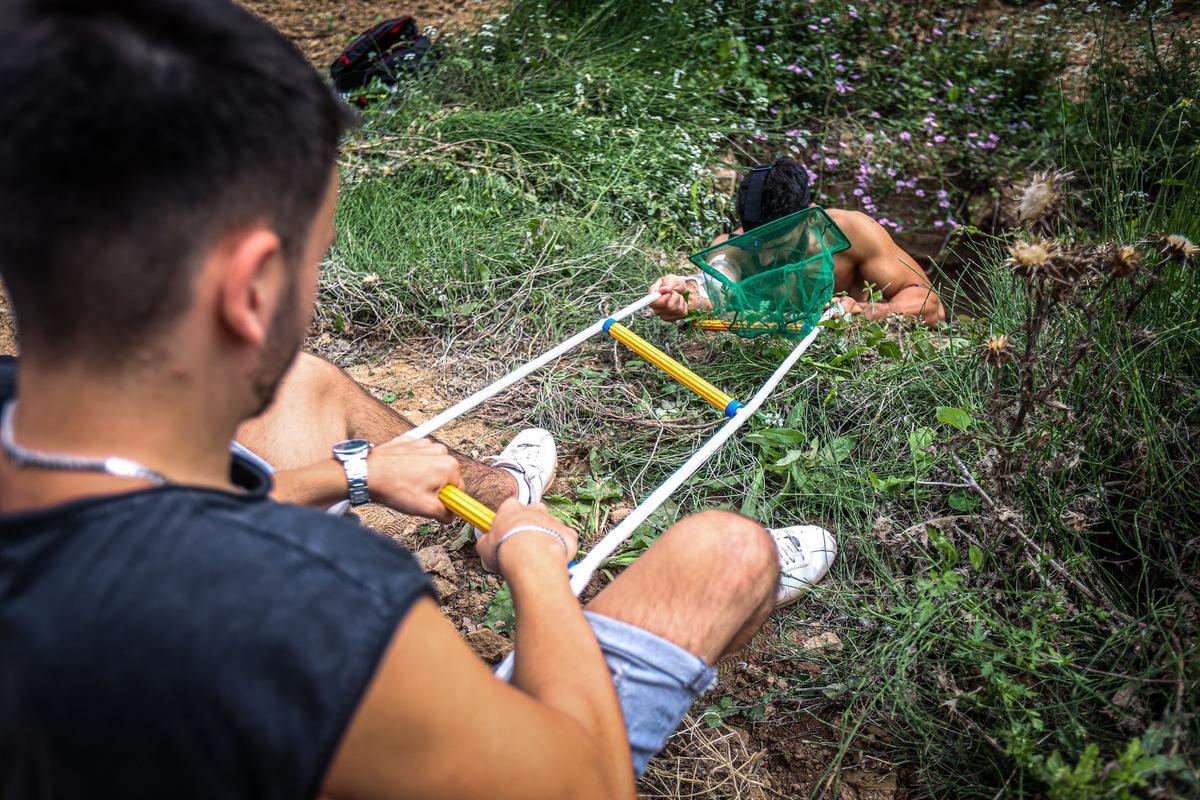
(531, 459)
(805, 554)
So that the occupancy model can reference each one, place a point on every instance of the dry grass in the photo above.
(700, 761)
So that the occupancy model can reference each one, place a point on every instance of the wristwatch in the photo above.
(353, 455)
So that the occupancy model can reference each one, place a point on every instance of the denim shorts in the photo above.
(657, 681)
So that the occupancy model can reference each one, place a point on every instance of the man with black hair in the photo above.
(167, 190)
(874, 260)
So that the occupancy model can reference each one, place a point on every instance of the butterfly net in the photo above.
(774, 279)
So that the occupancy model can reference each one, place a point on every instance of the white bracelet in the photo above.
(522, 529)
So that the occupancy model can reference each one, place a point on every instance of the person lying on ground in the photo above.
(874, 260)
(168, 174)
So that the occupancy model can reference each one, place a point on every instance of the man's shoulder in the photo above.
(850, 218)
(865, 234)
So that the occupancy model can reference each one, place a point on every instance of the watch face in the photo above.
(351, 448)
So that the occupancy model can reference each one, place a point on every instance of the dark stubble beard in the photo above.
(279, 350)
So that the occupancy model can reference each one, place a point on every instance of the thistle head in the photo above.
(1032, 258)
(1121, 260)
(1178, 248)
(997, 351)
(1038, 199)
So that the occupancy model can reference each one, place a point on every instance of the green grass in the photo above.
(560, 159)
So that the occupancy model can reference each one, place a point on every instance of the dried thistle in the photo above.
(1031, 259)
(1038, 200)
(997, 351)
(1178, 248)
(1120, 260)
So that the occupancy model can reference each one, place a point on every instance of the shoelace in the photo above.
(514, 461)
(514, 456)
(793, 553)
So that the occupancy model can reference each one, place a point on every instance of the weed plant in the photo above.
(1015, 603)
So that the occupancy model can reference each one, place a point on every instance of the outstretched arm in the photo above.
(435, 723)
(906, 287)
(679, 295)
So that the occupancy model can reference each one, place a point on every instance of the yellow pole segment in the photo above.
(679, 372)
(467, 507)
(726, 325)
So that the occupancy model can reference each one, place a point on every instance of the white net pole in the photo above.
(582, 572)
(493, 389)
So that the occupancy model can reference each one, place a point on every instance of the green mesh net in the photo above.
(774, 279)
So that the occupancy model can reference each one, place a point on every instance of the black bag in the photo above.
(387, 51)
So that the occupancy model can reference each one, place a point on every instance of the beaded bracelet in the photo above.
(522, 529)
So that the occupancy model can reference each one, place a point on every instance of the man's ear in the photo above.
(251, 283)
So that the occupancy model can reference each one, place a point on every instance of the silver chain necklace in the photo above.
(113, 465)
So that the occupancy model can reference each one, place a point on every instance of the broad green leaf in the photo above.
(890, 484)
(599, 490)
(920, 440)
(838, 450)
(500, 614)
(962, 500)
(954, 416)
(789, 457)
(854, 352)
(889, 349)
(947, 552)
(975, 556)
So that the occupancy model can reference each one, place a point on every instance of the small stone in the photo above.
(825, 641)
(489, 645)
(435, 560)
(443, 587)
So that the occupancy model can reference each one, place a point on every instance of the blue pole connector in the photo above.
(608, 323)
(733, 407)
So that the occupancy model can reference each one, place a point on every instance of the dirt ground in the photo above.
(322, 28)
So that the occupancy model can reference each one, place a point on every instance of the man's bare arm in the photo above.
(321, 484)
(435, 723)
(679, 295)
(405, 474)
(906, 287)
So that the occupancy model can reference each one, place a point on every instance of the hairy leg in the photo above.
(707, 585)
(318, 405)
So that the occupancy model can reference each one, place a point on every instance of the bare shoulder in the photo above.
(864, 233)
